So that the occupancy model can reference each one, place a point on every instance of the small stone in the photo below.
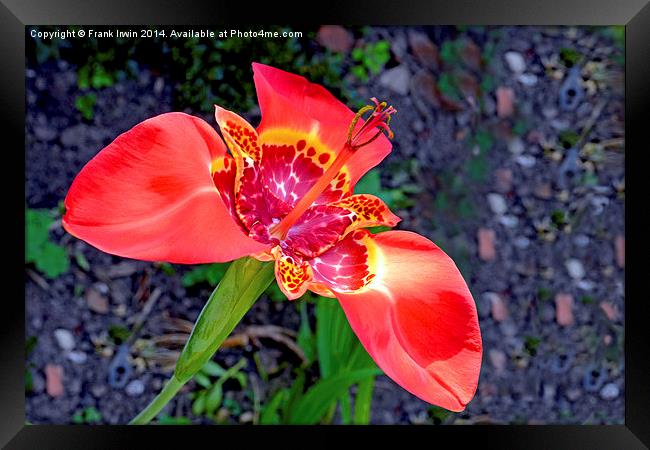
(38, 383)
(505, 102)
(548, 393)
(64, 338)
(516, 146)
(610, 310)
(135, 388)
(527, 79)
(423, 85)
(498, 359)
(471, 54)
(98, 390)
(521, 242)
(575, 268)
(486, 250)
(159, 86)
(96, 301)
(497, 203)
(560, 124)
(499, 309)
(549, 112)
(619, 245)
(609, 392)
(515, 61)
(543, 191)
(573, 394)
(564, 309)
(526, 161)
(503, 180)
(581, 240)
(246, 417)
(54, 380)
(585, 285)
(509, 221)
(77, 357)
(335, 38)
(45, 133)
(424, 50)
(397, 79)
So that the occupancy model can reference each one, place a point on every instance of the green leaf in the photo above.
(213, 399)
(198, 406)
(270, 412)
(212, 369)
(85, 104)
(313, 405)
(241, 286)
(202, 380)
(165, 419)
(363, 401)
(49, 258)
(210, 273)
(306, 339)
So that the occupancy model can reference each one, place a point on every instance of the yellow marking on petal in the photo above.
(292, 276)
(369, 210)
(376, 265)
(218, 164)
(287, 136)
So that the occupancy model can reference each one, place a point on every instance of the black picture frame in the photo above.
(634, 14)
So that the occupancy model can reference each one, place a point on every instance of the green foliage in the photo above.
(477, 167)
(209, 398)
(570, 56)
(569, 138)
(395, 198)
(370, 59)
(49, 258)
(165, 419)
(89, 416)
(30, 344)
(531, 344)
(118, 334)
(544, 294)
(85, 104)
(205, 273)
(448, 86)
(342, 363)
(438, 414)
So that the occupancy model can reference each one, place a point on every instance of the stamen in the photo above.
(378, 120)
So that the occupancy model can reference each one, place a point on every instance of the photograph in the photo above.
(325, 225)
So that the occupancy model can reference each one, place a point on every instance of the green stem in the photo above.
(158, 403)
(244, 281)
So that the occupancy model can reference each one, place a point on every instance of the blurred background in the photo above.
(508, 153)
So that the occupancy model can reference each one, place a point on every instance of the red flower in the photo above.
(167, 190)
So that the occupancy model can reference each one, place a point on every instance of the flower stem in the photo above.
(158, 403)
(245, 280)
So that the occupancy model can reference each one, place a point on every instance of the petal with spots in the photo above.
(292, 275)
(290, 102)
(293, 161)
(370, 211)
(241, 133)
(418, 320)
(349, 265)
(318, 229)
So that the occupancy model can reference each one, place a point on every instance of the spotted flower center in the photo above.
(289, 190)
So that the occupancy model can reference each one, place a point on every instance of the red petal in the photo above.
(150, 195)
(417, 320)
(290, 102)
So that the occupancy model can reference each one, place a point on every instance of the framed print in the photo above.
(386, 215)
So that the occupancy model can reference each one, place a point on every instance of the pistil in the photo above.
(374, 125)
